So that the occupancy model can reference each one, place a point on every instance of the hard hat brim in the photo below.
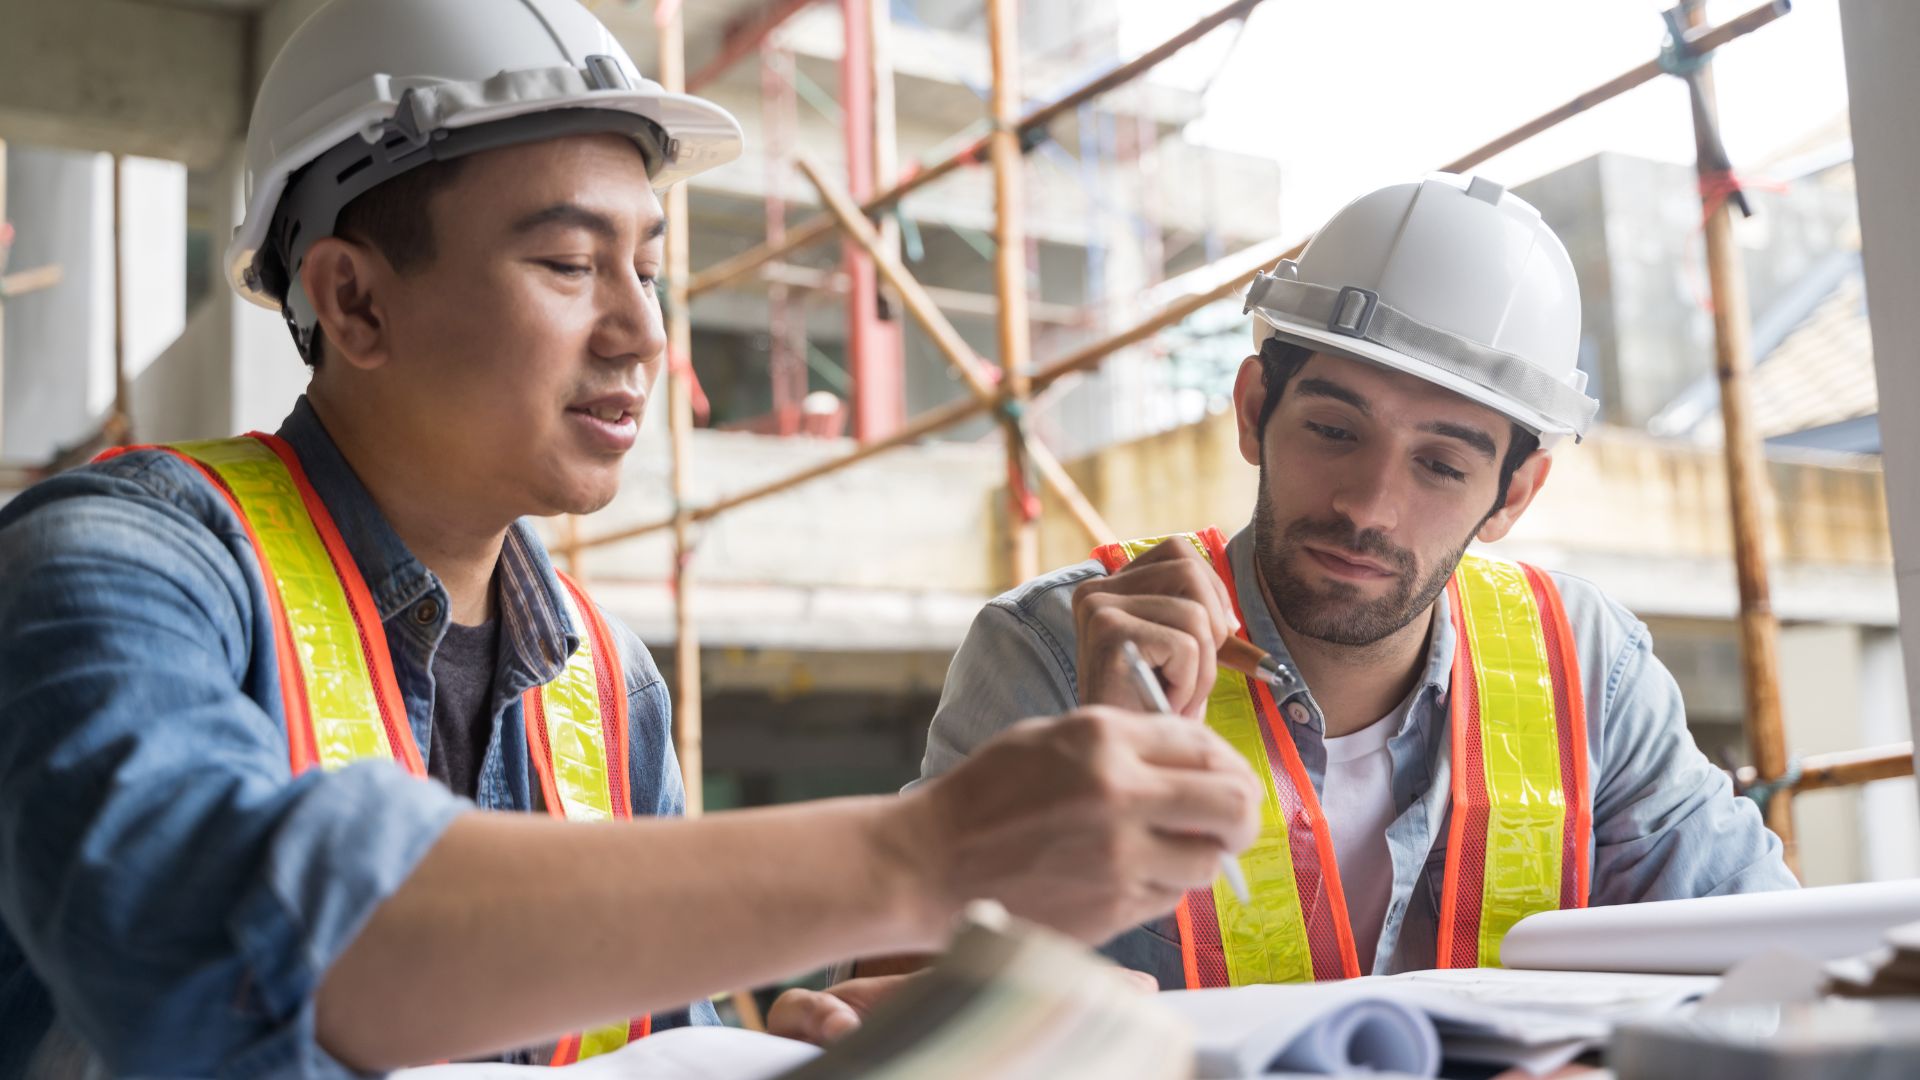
(1323, 340)
(706, 135)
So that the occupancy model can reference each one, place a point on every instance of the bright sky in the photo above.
(1352, 94)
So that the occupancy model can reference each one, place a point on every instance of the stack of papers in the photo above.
(1408, 1024)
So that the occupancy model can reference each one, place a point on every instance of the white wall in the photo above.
(1883, 84)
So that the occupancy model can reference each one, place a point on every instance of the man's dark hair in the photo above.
(1281, 360)
(393, 219)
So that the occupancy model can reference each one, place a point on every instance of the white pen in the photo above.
(1149, 686)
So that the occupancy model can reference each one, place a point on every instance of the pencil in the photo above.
(1247, 658)
(1149, 686)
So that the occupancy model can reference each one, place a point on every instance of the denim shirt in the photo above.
(1666, 823)
(170, 895)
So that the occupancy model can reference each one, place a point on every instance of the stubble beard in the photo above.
(1338, 612)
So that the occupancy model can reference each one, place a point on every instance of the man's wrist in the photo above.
(911, 878)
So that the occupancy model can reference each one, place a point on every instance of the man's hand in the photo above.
(821, 1016)
(1089, 823)
(1173, 607)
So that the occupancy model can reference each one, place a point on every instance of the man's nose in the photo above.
(630, 329)
(1366, 494)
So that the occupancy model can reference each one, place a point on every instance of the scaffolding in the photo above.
(1005, 391)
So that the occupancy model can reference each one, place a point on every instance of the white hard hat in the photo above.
(365, 90)
(1452, 279)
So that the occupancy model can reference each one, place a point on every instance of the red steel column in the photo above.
(873, 344)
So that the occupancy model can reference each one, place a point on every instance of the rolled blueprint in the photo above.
(1706, 936)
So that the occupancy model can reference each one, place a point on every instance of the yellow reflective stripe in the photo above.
(575, 739)
(1265, 941)
(1520, 746)
(347, 725)
(603, 1040)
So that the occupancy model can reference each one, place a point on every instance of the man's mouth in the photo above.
(608, 414)
(1348, 564)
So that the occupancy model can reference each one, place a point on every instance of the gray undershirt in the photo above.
(462, 692)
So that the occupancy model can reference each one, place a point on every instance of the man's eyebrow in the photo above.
(655, 231)
(1472, 436)
(569, 215)
(1326, 389)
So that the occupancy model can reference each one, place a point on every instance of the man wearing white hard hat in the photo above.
(1448, 742)
(273, 708)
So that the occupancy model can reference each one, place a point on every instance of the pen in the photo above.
(1149, 685)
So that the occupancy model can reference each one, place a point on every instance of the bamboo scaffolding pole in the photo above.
(954, 348)
(1240, 268)
(688, 738)
(1748, 489)
(1022, 534)
(1845, 768)
(814, 229)
(1746, 469)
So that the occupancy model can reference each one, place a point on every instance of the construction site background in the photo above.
(827, 613)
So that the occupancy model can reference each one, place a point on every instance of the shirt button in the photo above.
(426, 612)
(1297, 713)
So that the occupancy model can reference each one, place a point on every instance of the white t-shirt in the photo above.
(1358, 802)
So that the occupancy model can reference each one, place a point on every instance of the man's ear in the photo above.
(1528, 479)
(1249, 395)
(346, 283)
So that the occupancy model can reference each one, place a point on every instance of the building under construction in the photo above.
(1018, 343)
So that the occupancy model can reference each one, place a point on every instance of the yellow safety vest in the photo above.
(1521, 810)
(337, 686)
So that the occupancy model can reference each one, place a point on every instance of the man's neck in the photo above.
(1355, 685)
(429, 519)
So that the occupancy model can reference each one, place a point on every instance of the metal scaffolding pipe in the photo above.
(688, 735)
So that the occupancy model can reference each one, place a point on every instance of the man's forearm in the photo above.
(515, 928)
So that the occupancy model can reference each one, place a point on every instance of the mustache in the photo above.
(1340, 532)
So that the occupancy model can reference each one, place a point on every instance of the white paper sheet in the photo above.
(1320, 1028)
(691, 1053)
(1711, 934)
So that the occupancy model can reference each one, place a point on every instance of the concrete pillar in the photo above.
(1882, 85)
(59, 342)
(1889, 809)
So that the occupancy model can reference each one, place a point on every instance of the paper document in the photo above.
(1711, 934)
(690, 1053)
(1321, 1028)
(1406, 1024)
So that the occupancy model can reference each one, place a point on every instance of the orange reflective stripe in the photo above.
(338, 691)
(1570, 706)
(1295, 928)
(577, 724)
(1521, 808)
(577, 729)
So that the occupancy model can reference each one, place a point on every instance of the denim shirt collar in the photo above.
(537, 635)
(1265, 633)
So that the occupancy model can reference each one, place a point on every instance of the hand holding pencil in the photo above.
(1171, 607)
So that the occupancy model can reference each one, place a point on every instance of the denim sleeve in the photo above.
(177, 891)
(1014, 663)
(1667, 824)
